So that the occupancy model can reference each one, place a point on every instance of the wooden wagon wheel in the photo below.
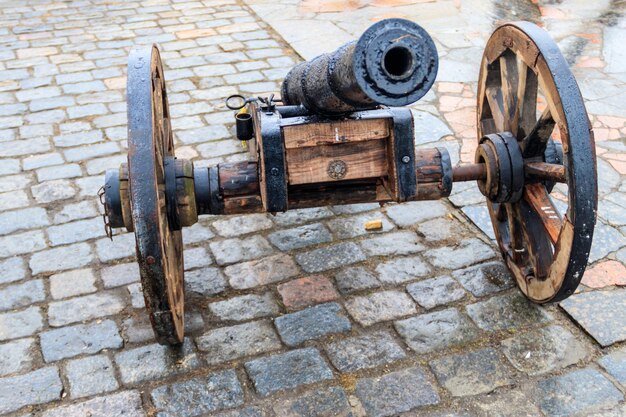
(150, 157)
(527, 97)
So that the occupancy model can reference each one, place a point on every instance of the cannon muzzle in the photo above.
(393, 63)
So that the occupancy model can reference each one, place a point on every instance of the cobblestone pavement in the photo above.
(303, 313)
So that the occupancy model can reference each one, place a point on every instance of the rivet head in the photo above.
(150, 260)
(406, 159)
(274, 171)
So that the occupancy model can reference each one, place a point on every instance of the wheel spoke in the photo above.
(527, 101)
(493, 94)
(509, 80)
(537, 197)
(534, 143)
(516, 234)
(545, 172)
(537, 242)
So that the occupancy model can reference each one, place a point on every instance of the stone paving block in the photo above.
(245, 307)
(28, 218)
(354, 279)
(36, 387)
(50, 191)
(307, 291)
(244, 412)
(615, 364)
(197, 396)
(364, 352)
(434, 292)
(122, 246)
(577, 392)
(121, 404)
(138, 329)
(485, 279)
(471, 373)
(355, 208)
(408, 214)
(16, 324)
(240, 225)
(155, 361)
(12, 269)
(350, 227)
(230, 251)
(508, 404)
(21, 295)
(228, 343)
(288, 370)
(506, 311)
(75, 232)
(389, 244)
(600, 313)
(300, 237)
(380, 306)
(196, 258)
(323, 402)
(90, 375)
(401, 270)
(464, 253)
(604, 274)
(84, 308)
(606, 239)
(444, 228)
(261, 272)
(17, 356)
(396, 392)
(330, 257)
(204, 281)
(71, 283)
(121, 274)
(71, 341)
(312, 323)
(59, 259)
(299, 216)
(436, 331)
(541, 351)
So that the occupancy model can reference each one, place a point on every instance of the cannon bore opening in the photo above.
(398, 62)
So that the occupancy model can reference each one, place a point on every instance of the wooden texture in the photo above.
(336, 151)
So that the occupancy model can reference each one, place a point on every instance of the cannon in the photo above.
(339, 134)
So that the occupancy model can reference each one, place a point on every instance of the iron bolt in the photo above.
(274, 171)
(406, 159)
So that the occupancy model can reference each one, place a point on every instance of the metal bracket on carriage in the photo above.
(339, 135)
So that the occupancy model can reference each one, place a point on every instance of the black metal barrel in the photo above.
(393, 63)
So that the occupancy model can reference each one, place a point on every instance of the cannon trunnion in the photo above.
(333, 139)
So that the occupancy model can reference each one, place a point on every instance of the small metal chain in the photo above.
(105, 217)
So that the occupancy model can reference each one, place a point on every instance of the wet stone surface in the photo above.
(544, 350)
(409, 389)
(434, 292)
(506, 312)
(471, 373)
(363, 352)
(600, 313)
(579, 391)
(436, 331)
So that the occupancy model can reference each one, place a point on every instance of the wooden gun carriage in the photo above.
(339, 134)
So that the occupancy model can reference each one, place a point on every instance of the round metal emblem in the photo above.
(337, 169)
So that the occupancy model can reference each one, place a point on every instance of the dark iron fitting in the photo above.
(393, 63)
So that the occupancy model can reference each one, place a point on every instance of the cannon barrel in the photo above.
(393, 63)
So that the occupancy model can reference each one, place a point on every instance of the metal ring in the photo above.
(236, 96)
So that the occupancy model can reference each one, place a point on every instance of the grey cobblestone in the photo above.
(71, 341)
(312, 323)
(434, 292)
(485, 279)
(21, 243)
(245, 307)
(364, 352)
(350, 227)
(204, 282)
(197, 396)
(615, 364)
(408, 214)
(354, 279)
(118, 275)
(228, 343)
(330, 257)
(261, 272)
(50, 191)
(324, 402)
(17, 356)
(196, 258)
(121, 404)
(236, 226)
(155, 361)
(287, 370)
(21, 295)
(401, 270)
(90, 375)
(230, 251)
(380, 306)
(37, 387)
(408, 388)
(436, 331)
(75, 232)
(16, 324)
(299, 216)
(465, 253)
(122, 246)
(398, 243)
(12, 269)
(84, 308)
(505, 312)
(28, 218)
(300, 237)
(59, 172)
